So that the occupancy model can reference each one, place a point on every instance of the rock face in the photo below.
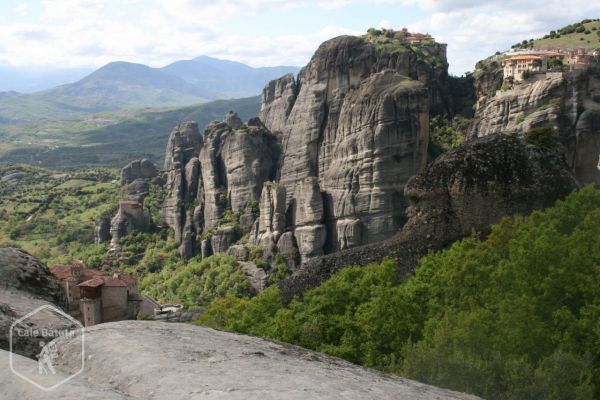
(222, 170)
(25, 285)
(182, 169)
(570, 102)
(137, 190)
(476, 185)
(339, 142)
(13, 387)
(507, 111)
(223, 238)
(138, 169)
(102, 230)
(272, 220)
(230, 366)
(235, 165)
(464, 190)
(355, 123)
(130, 217)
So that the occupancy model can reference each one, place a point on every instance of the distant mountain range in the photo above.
(123, 85)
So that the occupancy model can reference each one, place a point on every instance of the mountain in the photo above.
(123, 85)
(222, 78)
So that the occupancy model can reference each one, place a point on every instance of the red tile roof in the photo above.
(62, 272)
(92, 277)
(94, 282)
(65, 272)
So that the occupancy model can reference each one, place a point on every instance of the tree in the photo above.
(527, 74)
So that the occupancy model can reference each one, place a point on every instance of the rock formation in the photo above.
(131, 216)
(25, 285)
(205, 363)
(355, 123)
(272, 221)
(137, 190)
(102, 230)
(570, 102)
(208, 175)
(235, 165)
(474, 186)
(183, 169)
(464, 190)
(138, 169)
(339, 142)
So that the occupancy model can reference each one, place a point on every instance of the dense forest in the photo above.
(512, 316)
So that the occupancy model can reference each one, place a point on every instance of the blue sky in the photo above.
(90, 33)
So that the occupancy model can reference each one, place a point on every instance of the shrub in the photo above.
(198, 282)
(544, 136)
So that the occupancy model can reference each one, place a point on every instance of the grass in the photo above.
(590, 40)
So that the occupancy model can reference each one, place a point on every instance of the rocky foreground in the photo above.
(152, 360)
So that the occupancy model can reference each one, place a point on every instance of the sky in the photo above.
(90, 33)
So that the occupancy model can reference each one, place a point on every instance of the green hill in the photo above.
(78, 143)
(584, 34)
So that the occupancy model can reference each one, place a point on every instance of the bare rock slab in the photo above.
(150, 360)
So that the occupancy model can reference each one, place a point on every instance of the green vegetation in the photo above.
(570, 36)
(446, 133)
(514, 316)
(198, 282)
(393, 42)
(544, 136)
(52, 214)
(108, 139)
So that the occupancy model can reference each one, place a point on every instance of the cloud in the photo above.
(74, 33)
(34, 33)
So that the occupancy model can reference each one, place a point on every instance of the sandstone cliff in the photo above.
(221, 171)
(570, 102)
(339, 142)
(354, 129)
(465, 190)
